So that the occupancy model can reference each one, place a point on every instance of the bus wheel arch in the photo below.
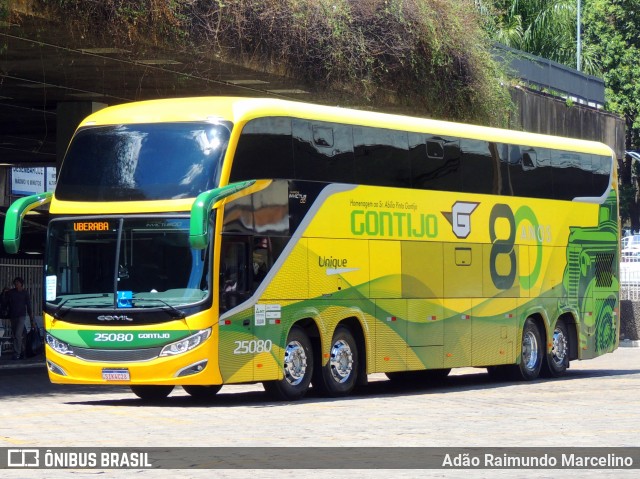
(572, 327)
(346, 365)
(202, 392)
(151, 392)
(563, 342)
(297, 364)
(357, 330)
(532, 349)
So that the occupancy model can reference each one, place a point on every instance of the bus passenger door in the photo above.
(234, 272)
(236, 331)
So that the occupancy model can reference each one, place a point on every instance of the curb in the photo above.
(10, 364)
(5, 367)
(630, 343)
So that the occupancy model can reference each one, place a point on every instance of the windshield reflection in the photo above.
(143, 162)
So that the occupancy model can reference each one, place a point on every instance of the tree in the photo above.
(546, 28)
(612, 27)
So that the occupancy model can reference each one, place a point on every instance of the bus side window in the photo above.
(323, 151)
(435, 162)
(381, 157)
(530, 171)
(266, 251)
(234, 272)
(480, 167)
(262, 259)
(264, 150)
(601, 171)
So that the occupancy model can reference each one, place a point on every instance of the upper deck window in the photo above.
(140, 162)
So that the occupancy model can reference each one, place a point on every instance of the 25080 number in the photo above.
(114, 337)
(253, 346)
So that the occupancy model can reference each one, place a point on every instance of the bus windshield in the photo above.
(124, 263)
(141, 162)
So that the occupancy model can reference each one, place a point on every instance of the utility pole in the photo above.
(579, 50)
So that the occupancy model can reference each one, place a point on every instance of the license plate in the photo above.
(115, 374)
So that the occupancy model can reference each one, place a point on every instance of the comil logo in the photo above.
(23, 458)
(460, 218)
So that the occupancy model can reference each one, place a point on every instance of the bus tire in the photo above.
(202, 392)
(340, 375)
(151, 393)
(298, 368)
(557, 360)
(532, 353)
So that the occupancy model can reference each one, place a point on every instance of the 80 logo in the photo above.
(503, 249)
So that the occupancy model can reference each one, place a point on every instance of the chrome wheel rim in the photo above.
(341, 362)
(530, 350)
(295, 363)
(559, 348)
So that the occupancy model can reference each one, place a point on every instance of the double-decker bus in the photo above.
(211, 241)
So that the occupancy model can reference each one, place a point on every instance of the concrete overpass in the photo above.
(51, 78)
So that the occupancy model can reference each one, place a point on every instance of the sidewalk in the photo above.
(7, 363)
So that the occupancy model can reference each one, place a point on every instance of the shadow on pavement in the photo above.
(382, 388)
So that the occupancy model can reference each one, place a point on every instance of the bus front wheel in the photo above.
(202, 392)
(297, 366)
(338, 377)
(151, 393)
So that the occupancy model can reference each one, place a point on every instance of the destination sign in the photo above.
(91, 226)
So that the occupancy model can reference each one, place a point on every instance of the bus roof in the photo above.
(240, 110)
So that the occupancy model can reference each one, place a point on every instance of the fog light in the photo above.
(54, 368)
(193, 369)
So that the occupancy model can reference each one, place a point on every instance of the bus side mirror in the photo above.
(15, 215)
(199, 225)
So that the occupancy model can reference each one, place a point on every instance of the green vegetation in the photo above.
(546, 28)
(426, 56)
(612, 27)
(610, 49)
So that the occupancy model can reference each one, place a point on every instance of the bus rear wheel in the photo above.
(557, 360)
(202, 392)
(151, 393)
(338, 377)
(298, 368)
(532, 352)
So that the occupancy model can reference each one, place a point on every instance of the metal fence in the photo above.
(630, 277)
(545, 73)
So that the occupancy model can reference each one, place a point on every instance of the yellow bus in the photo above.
(210, 241)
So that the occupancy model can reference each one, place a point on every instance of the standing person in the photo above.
(19, 306)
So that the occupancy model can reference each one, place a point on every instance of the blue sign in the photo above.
(125, 299)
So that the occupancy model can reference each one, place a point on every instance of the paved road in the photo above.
(596, 404)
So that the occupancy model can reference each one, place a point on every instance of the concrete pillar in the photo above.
(69, 115)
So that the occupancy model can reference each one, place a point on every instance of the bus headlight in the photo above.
(186, 344)
(59, 346)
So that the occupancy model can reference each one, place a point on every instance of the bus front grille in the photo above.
(117, 355)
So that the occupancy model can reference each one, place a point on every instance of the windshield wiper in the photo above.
(59, 314)
(174, 312)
